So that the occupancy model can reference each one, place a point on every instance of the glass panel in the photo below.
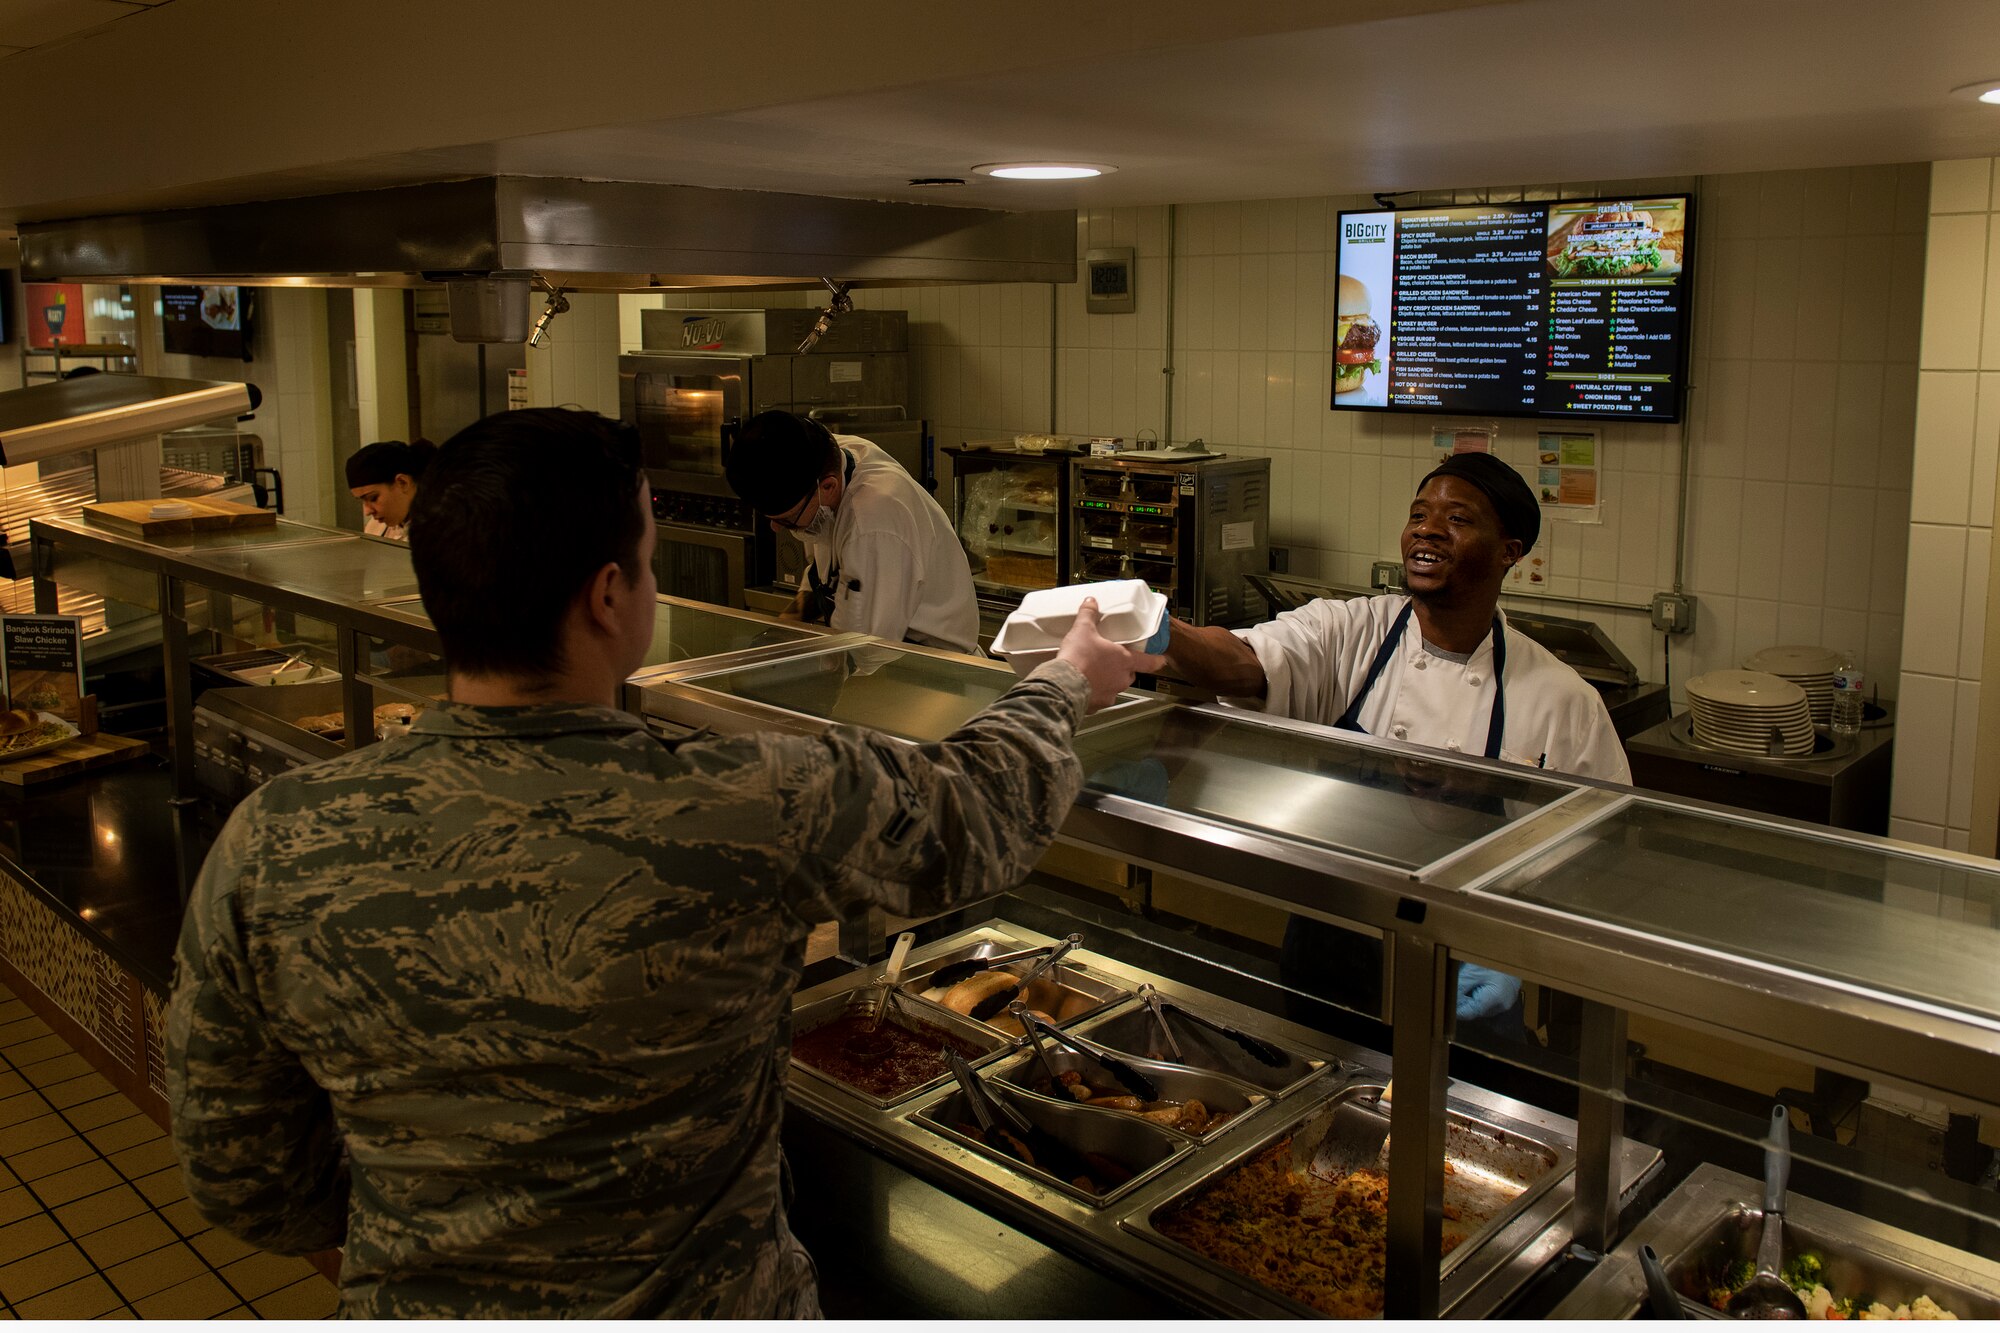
(1008, 522)
(1398, 808)
(683, 633)
(258, 644)
(76, 571)
(1883, 919)
(905, 694)
(1890, 1193)
(280, 533)
(350, 570)
(401, 671)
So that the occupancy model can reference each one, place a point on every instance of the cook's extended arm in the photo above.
(1212, 658)
(259, 1150)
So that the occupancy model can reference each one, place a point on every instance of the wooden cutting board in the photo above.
(132, 516)
(71, 758)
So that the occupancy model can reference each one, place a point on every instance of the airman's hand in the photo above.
(1109, 667)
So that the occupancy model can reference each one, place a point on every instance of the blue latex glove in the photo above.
(1484, 993)
(1158, 643)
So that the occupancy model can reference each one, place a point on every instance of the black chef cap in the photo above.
(1520, 515)
(380, 463)
(778, 458)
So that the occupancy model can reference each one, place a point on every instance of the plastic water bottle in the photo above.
(1847, 682)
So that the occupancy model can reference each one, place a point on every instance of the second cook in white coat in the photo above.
(884, 558)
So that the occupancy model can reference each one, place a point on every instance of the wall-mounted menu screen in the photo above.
(1560, 309)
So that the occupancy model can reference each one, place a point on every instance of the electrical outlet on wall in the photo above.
(1673, 612)
(1386, 574)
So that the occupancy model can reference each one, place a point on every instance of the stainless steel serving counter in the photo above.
(1119, 1231)
(1843, 952)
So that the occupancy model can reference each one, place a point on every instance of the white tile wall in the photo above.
(1953, 466)
(1810, 309)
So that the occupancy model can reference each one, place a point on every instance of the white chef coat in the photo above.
(902, 573)
(1316, 658)
(375, 527)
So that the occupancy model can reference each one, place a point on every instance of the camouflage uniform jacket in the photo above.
(504, 1005)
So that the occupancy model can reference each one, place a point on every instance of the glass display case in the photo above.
(1317, 886)
(330, 622)
(1010, 506)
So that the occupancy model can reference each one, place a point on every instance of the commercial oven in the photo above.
(702, 374)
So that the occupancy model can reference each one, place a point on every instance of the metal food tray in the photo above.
(814, 1015)
(1713, 1215)
(1142, 1148)
(1500, 1170)
(1137, 1031)
(1092, 992)
(1176, 1083)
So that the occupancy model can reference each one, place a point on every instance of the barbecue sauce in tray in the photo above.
(911, 1059)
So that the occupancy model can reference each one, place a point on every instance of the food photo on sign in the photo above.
(1361, 294)
(1617, 240)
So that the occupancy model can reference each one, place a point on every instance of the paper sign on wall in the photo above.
(41, 664)
(1463, 439)
(1568, 469)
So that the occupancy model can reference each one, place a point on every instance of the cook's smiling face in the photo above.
(1453, 539)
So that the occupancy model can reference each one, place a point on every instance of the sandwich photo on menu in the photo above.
(1355, 337)
(1615, 240)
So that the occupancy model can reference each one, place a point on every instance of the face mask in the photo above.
(821, 525)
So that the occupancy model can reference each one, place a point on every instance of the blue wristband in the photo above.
(1158, 643)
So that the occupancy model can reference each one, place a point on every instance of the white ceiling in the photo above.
(1192, 101)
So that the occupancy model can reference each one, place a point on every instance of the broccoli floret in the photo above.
(1803, 1272)
(1731, 1280)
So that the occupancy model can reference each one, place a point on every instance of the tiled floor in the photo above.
(93, 1223)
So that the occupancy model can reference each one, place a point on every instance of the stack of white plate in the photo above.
(1737, 710)
(1809, 668)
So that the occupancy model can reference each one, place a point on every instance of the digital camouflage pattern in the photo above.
(504, 1006)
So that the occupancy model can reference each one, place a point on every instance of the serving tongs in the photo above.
(1263, 1052)
(1008, 1131)
(1766, 1295)
(1151, 999)
(953, 973)
(1135, 1083)
(999, 1000)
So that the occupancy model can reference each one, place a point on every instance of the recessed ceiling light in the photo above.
(1043, 171)
(1986, 90)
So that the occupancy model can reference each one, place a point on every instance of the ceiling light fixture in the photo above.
(1043, 171)
(1986, 90)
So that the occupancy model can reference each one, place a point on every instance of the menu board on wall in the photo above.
(1562, 309)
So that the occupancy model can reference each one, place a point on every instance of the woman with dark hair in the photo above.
(384, 477)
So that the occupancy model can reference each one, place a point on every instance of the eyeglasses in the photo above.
(797, 512)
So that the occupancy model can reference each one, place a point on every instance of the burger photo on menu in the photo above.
(1616, 240)
(1355, 337)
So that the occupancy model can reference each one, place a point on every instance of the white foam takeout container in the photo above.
(1128, 613)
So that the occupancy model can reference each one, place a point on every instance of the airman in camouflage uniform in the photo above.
(504, 1005)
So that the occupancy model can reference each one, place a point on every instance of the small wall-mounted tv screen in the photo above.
(206, 321)
(1576, 308)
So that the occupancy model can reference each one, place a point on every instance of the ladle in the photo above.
(1766, 1295)
(869, 1042)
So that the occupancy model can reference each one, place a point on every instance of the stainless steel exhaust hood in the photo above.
(585, 235)
(92, 411)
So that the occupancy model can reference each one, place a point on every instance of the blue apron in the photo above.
(1351, 719)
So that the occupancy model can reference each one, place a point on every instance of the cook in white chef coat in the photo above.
(1437, 667)
(384, 476)
(884, 558)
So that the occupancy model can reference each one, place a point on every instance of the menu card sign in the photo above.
(41, 664)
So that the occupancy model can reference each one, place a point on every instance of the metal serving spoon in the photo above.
(1768, 1296)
